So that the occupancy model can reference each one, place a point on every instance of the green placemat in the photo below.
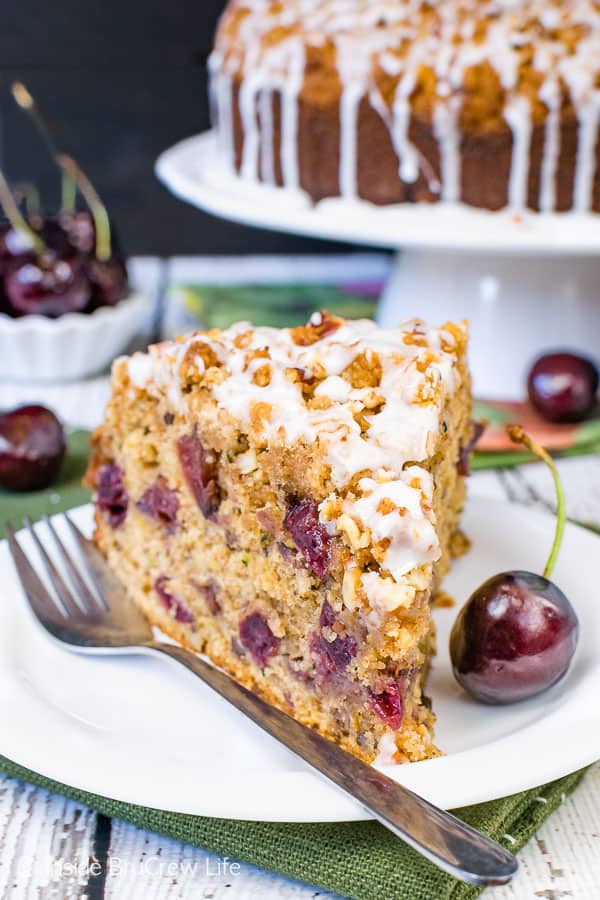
(361, 860)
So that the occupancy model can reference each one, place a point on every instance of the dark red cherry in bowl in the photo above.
(563, 387)
(517, 633)
(32, 448)
(514, 638)
(16, 244)
(108, 281)
(79, 226)
(47, 285)
(13, 244)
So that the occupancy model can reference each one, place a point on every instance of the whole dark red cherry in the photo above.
(107, 277)
(78, 224)
(13, 243)
(16, 245)
(32, 447)
(563, 387)
(517, 633)
(47, 285)
(514, 638)
(108, 281)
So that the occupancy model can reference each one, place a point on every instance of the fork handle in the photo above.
(448, 842)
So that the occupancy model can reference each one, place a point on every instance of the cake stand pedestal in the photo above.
(527, 284)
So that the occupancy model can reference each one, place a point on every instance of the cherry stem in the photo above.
(13, 214)
(29, 192)
(97, 208)
(70, 168)
(68, 194)
(519, 436)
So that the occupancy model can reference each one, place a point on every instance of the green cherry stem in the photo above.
(13, 214)
(70, 168)
(68, 194)
(97, 208)
(519, 436)
(29, 192)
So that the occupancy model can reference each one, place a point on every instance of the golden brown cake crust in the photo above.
(488, 103)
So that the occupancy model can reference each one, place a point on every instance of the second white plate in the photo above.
(141, 731)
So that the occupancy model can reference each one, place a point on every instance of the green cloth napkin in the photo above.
(360, 860)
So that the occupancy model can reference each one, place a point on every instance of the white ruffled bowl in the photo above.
(35, 348)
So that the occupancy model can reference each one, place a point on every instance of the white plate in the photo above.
(194, 170)
(141, 731)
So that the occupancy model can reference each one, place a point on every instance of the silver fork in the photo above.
(94, 615)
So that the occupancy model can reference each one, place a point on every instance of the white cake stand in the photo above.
(527, 283)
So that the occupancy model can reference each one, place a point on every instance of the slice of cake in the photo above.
(286, 501)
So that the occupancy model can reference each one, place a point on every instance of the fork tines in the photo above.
(73, 595)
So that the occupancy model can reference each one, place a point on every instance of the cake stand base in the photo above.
(518, 307)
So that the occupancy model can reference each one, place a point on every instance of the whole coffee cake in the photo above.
(494, 103)
(286, 502)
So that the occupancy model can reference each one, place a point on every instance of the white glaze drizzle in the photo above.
(518, 115)
(222, 91)
(267, 161)
(445, 125)
(551, 96)
(249, 91)
(588, 117)
(392, 35)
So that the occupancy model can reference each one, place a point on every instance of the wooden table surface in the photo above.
(51, 848)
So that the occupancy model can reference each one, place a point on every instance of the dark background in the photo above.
(122, 80)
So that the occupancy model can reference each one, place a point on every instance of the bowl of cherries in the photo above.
(66, 308)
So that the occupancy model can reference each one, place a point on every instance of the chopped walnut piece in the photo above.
(372, 400)
(262, 376)
(415, 339)
(257, 353)
(295, 376)
(350, 586)
(460, 336)
(243, 339)
(356, 538)
(428, 390)
(319, 326)
(319, 403)
(380, 549)
(260, 415)
(425, 360)
(199, 357)
(364, 371)
(385, 506)
(306, 381)
(361, 420)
